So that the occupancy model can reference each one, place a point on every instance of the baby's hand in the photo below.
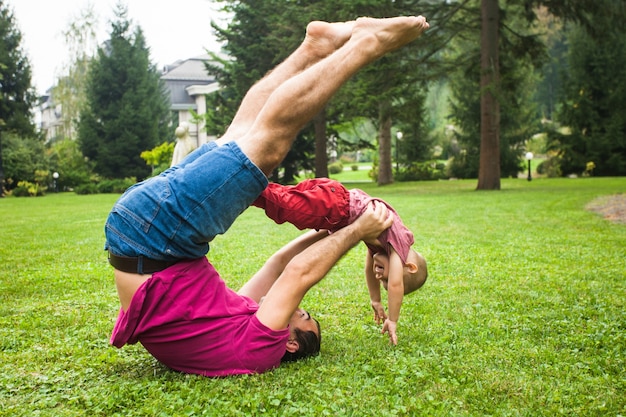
(390, 327)
(379, 312)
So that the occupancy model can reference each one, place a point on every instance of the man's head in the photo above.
(305, 337)
(414, 274)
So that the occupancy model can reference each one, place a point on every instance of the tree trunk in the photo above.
(321, 157)
(489, 168)
(385, 175)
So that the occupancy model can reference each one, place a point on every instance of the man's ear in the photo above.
(292, 346)
(412, 267)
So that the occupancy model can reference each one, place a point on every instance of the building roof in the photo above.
(192, 69)
(182, 74)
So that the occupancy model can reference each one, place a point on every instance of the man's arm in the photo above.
(261, 282)
(373, 287)
(311, 265)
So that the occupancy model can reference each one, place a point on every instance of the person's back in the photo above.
(189, 320)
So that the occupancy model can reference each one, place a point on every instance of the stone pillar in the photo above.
(199, 93)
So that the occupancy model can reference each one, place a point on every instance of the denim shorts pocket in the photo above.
(141, 206)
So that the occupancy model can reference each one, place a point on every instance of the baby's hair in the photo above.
(414, 281)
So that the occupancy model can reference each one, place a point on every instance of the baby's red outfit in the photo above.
(322, 203)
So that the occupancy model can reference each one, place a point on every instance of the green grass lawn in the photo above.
(523, 314)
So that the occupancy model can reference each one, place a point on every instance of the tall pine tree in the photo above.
(593, 103)
(127, 110)
(16, 94)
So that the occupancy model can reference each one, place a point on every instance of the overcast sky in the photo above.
(174, 29)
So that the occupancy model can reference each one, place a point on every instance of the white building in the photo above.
(187, 83)
(48, 116)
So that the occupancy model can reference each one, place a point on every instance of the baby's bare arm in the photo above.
(373, 287)
(395, 294)
(395, 286)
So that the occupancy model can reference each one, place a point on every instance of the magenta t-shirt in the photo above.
(189, 320)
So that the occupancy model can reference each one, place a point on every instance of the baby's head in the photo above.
(415, 272)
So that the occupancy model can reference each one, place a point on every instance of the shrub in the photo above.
(335, 168)
(355, 167)
(89, 188)
(550, 167)
(107, 186)
(28, 189)
(115, 186)
(422, 171)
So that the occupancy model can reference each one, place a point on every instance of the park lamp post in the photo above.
(529, 157)
(55, 177)
(398, 138)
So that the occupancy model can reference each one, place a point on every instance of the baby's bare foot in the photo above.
(325, 38)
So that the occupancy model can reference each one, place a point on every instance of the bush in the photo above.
(550, 167)
(422, 171)
(28, 189)
(107, 186)
(355, 167)
(89, 188)
(335, 168)
(115, 186)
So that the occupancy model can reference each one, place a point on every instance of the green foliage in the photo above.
(335, 168)
(593, 105)
(551, 167)
(106, 186)
(127, 109)
(67, 160)
(160, 157)
(554, 37)
(16, 94)
(27, 189)
(518, 115)
(22, 157)
(32, 189)
(522, 315)
(421, 171)
(70, 90)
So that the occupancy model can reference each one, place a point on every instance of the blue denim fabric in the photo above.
(173, 216)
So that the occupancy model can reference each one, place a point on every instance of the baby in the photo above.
(322, 203)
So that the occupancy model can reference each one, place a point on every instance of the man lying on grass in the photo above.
(173, 301)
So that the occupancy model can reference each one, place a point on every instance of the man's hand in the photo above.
(379, 312)
(374, 220)
(390, 327)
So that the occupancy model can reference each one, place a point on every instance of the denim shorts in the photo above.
(175, 215)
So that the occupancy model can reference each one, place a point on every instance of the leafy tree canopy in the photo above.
(16, 95)
(127, 109)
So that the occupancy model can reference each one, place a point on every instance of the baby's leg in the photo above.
(318, 203)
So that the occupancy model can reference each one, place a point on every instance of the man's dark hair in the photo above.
(309, 343)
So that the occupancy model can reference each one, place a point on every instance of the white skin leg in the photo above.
(299, 98)
(321, 40)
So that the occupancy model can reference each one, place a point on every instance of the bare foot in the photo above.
(385, 35)
(325, 38)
